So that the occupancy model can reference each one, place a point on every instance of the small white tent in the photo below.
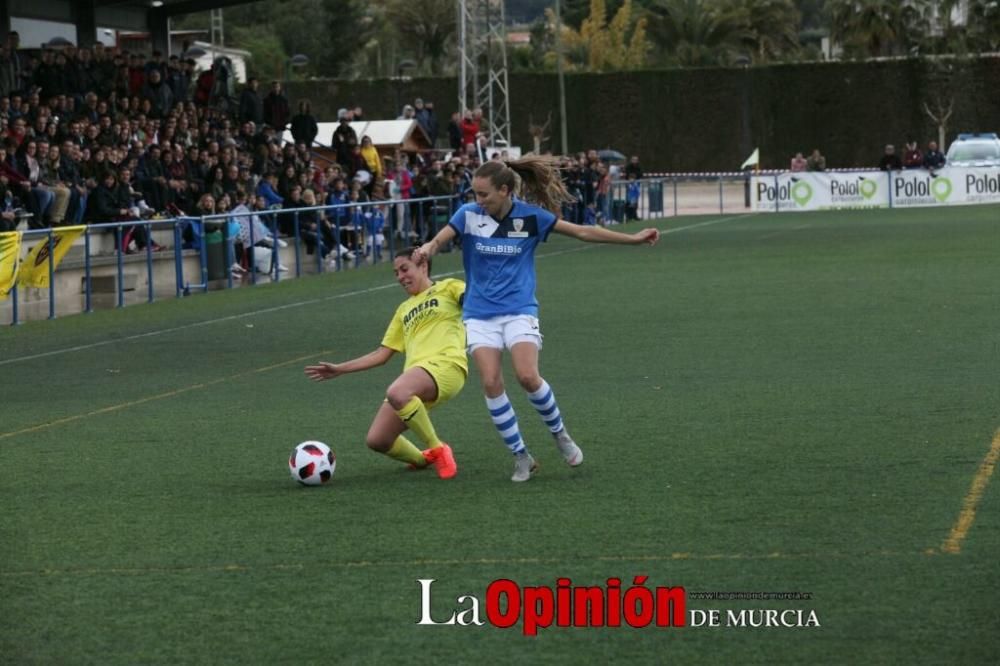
(387, 135)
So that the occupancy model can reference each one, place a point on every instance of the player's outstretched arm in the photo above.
(602, 235)
(324, 370)
(431, 247)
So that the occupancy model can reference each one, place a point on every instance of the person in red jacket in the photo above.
(470, 128)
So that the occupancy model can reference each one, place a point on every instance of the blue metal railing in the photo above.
(396, 229)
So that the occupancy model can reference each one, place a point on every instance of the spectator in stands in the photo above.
(17, 130)
(224, 85)
(344, 139)
(309, 224)
(18, 185)
(933, 158)
(155, 64)
(455, 132)
(197, 170)
(47, 78)
(287, 180)
(213, 183)
(177, 79)
(131, 200)
(68, 172)
(317, 220)
(19, 63)
(632, 193)
(470, 129)
(246, 180)
(603, 200)
(372, 160)
(251, 105)
(136, 75)
(816, 161)
(8, 206)
(276, 111)
(890, 160)
(111, 202)
(203, 87)
(424, 113)
(798, 164)
(268, 188)
(8, 75)
(51, 200)
(913, 158)
(633, 167)
(151, 177)
(103, 205)
(182, 191)
(304, 127)
(408, 113)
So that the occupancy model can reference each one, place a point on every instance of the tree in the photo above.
(349, 25)
(983, 23)
(875, 28)
(692, 33)
(267, 56)
(600, 46)
(426, 29)
(770, 28)
(330, 32)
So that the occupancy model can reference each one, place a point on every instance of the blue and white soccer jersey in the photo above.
(500, 307)
(499, 258)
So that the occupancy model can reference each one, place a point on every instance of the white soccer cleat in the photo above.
(524, 467)
(571, 453)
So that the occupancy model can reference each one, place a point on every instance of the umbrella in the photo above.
(608, 155)
(57, 43)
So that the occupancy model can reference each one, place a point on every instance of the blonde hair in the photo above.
(535, 177)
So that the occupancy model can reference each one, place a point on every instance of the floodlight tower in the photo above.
(482, 81)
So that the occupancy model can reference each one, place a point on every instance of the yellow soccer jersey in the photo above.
(429, 326)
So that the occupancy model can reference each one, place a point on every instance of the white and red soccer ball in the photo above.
(312, 463)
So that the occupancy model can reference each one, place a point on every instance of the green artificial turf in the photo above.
(767, 403)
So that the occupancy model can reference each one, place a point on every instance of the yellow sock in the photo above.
(414, 415)
(403, 450)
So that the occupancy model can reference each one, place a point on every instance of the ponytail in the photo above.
(535, 177)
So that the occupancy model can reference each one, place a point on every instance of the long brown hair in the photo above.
(535, 177)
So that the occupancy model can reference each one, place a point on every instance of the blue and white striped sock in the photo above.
(505, 420)
(544, 401)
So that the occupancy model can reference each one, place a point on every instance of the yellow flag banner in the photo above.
(10, 252)
(35, 269)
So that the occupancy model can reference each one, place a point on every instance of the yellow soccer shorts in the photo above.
(449, 377)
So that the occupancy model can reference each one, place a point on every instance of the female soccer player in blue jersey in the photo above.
(427, 326)
(499, 235)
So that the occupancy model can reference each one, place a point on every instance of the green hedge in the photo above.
(691, 119)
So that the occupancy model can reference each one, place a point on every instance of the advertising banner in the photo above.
(826, 190)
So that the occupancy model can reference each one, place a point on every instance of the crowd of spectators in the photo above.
(100, 135)
(96, 135)
(913, 157)
(815, 162)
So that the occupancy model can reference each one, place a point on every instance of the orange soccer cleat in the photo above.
(443, 460)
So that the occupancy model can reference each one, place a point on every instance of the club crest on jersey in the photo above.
(518, 229)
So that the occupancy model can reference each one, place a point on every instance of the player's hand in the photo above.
(323, 371)
(650, 236)
(424, 252)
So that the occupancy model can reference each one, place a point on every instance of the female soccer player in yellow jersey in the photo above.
(428, 328)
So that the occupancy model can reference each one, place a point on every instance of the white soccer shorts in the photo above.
(502, 332)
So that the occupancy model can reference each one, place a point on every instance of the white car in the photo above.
(974, 150)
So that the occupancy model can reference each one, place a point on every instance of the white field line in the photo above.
(312, 301)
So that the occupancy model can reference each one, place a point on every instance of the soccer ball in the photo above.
(312, 463)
